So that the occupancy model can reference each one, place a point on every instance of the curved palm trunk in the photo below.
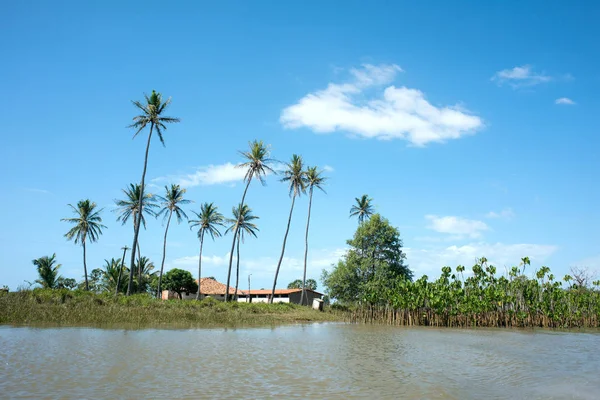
(282, 250)
(139, 213)
(120, 271)
(235, 233)
(200, 267)
(306, 248)
(237, 272)
(162, 264)
(87, 287)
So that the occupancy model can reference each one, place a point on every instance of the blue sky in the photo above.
(473, 125)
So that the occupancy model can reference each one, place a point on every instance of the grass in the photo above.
(79, 308)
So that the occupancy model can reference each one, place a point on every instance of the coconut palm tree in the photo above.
(314, 179)
(170, 205)
(363, 208)
(146, 267)
(110, 276)
(258, 165)
(152, 114)
(295, 176)
(88, 226)
(129, 207)
(47, 271)
(242, 224)
(209, 219)
(124, 248)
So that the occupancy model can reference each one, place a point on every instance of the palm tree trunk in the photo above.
(235, 233)
(237, 272)
(303, 295)
(120, 271)
(162, 264)
(87, 287)
(137, 222)
(282, 249)
(200, 266)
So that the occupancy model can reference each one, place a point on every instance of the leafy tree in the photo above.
(242, 224)
(309, 284)
(171, 205)
(314, 179)
(47, 271)
(151, 113)
(209, 219)
(257, 164)
(358, 278)
(66, 283)
(147, 275)
(87, 227)
(179, 281)
(363, 209)
(295, 176)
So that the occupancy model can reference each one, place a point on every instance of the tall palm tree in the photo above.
(295, 176)
(152, 114)
(258, 165)
(88, 226)
(242, 224)
(47, 271)
(170, 205)
(209, 219)
(124, 248)
(314, 179)
(130, 206)
(363, 208)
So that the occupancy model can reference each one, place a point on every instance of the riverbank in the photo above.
(77, 308)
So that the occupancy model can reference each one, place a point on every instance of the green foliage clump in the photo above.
(179, 281)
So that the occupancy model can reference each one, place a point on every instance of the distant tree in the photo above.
(152, 113)
(147, 275)
(375, 259)
(110, 276)
(88, 227)
(363, 209)
(179, 281)
(47, 271)
(66, 283)
(311, 284)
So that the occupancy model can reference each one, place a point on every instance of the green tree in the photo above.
(170, 205)
(242, 224)
(358, 278)
(151, 114)
(143, 283)
(87, 227)
(109, 282)
(209, 219)
(257, 164)
(179, 281)
(314, 179)
(47, 271)
(124, 248)
(363, 209)
(295, 176)
(309, 284)
(66, 283)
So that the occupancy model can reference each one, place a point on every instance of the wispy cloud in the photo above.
(564, 100)
(506, 213)
(209, 175)
(36, 190)
(395, 113)
(328, 168)
(520, 77)
(457, 226)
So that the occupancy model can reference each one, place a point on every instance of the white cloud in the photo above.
(593, 263)
(430, 261)
(520, 76)
(564, 100)
(36, 190)
(328, 168)
(398, 112)
(506, 213)
(456, 226)
(210, 175)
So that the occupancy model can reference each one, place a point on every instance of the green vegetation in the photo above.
(179, 281)
(242, 224)
(66, 307)
(303, 283)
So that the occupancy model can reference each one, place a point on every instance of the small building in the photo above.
(208, 288)
(281, 296)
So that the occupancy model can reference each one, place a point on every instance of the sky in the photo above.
(472, 125)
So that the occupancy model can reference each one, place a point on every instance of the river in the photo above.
(330, 361)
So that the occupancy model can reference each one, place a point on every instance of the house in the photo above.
(281, 296)
(208, 288)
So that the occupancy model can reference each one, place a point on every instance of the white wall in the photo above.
(284, 299)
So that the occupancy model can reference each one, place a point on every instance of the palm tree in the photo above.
(208, 221)
(110, 275)
(314, 179)
(124, 248)
(87, 227)
(171, 204)
(296, 178)
(129, 207)
(145, 266)
(363, 208)
(152, 113)
(257, 165)
(47, 271)
(242, 224)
